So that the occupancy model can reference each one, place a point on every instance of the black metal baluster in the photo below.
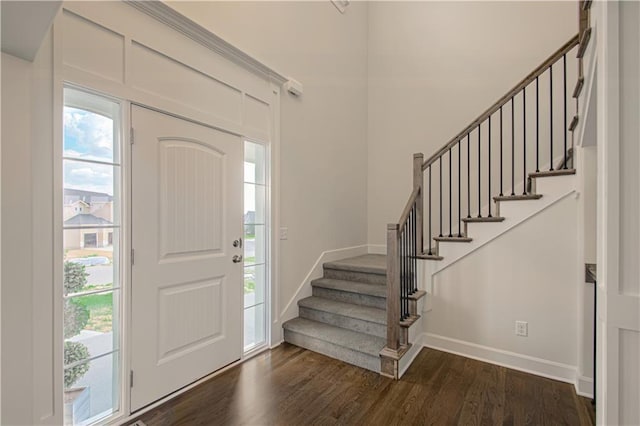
(550, 117)
(429, 239)
(537, 126)
(401, 250)
(513, 148)
(489, 168)
(414, 262)
(440, 160)
(479, 177)
(459, 192)
(411, 246)
(406, 262)
(564, 63)
(450, 185)
(501, 193)
(524, 140)
(468, 175)
(406, 255)
(403, 274)
(406, 286)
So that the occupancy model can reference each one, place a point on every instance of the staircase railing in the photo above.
(405, 241)
(404, 245)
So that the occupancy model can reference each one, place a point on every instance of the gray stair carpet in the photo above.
(370, 268)
(346, 316)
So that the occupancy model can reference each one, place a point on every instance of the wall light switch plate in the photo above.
(284, 233)
(522, 328)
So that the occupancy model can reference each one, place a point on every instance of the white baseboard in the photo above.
(528, 364)
(290, 311)
(584, 386)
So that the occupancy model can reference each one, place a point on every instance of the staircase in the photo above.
(493, 175)
(346, 317)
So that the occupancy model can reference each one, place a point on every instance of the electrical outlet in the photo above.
(284, 233)
(522, 328)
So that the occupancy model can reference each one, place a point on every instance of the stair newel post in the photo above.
(393, 287)
(418, 182)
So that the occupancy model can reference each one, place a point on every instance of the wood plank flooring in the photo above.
(292, 386)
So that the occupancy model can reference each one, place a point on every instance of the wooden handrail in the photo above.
(407, 209)
(573, 42)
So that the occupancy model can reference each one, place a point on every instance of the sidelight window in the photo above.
(256, 232)
(91, 247)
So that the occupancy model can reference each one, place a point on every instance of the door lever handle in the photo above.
(237, 258)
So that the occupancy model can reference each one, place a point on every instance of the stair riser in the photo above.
(342, 321)
(362, 277)
(348, 297)
(338, 352)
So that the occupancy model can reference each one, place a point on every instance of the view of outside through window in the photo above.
(255, 245)
(91, 223)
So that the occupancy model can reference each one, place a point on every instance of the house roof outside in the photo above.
(72, 195)
(84, 219)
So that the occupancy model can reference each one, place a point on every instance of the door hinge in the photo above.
(131, 138)
(133, 256)
(131, 378)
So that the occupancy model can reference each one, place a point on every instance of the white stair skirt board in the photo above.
(553, 189)
(528, 364)
(304, 290)
(416, 338)
(377, 249)
(584, 386)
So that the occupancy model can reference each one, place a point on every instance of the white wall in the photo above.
(433, 68)
(17, 326)
(323, 162)
(477, 300)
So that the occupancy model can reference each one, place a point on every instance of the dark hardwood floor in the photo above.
(293, 386)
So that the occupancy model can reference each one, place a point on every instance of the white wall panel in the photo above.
(168, 78)
(92, 47)
(257, 114)
(630, 380)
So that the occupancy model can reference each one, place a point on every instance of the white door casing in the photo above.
(618, 310)
(186, 290)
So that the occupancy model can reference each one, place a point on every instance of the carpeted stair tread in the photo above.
(364, 313)
(351, 287)
(368, 263)
(360, 342)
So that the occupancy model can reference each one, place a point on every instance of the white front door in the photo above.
(186, 288)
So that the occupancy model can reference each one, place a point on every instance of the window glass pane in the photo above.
(254, 203)
(91, 388)
(90, 194)
(91, 320)
(90, 259)
(254, 326)
(254, 244)
(89, 130)
(254, 285)
(254, 163)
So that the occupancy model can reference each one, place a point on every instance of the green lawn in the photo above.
(100, 308)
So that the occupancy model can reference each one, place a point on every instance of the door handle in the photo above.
(237, 258)
(237, 243)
